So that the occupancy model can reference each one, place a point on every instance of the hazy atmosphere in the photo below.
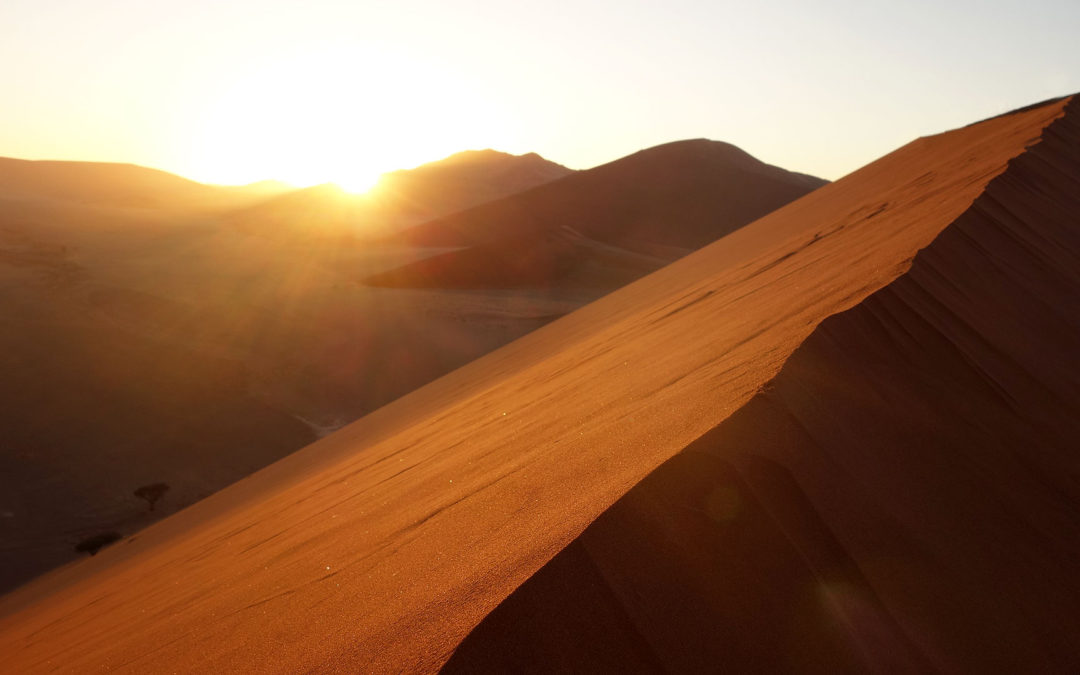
(347, 90)
(593, 337)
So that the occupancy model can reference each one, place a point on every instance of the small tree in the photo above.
(95, 543)
(152, 493)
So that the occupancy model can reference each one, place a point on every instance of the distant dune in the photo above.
(685, 194)
(146, 338)
(464, 180)
(560, 258)
(863, 407)
(605, 226)
(192, 346)
(118, 186)
(401, 198)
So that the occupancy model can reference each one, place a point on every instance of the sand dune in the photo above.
(684, 194)
(168, 344)
(120, 186)
(400, 199)
(145, 340)
(464, 180)
(625, 219)
(901, 497)
(908, 457)
(560, 258)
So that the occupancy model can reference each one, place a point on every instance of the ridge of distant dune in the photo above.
(684, 194)
(903, 496)
(109, 184)
(400, 198)
(472, 177)
(624, 219)
(382, 546)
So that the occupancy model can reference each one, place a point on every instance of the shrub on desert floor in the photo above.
(152, 493)
(97, 542)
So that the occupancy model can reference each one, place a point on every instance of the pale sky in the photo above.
(240, 90)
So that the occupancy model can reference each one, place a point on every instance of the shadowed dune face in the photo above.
(464, 180)
(381, 547)
(561, 259)
(702, 566)
(602, 227)
(933, 428)
(683, 194)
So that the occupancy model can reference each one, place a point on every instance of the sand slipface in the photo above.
(902, 496)
(887, 492)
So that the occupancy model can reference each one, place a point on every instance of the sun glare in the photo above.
(327, 115)
(358, 185)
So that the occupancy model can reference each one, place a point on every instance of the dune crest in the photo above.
(121, 186)
(901, 497)
(381, 547)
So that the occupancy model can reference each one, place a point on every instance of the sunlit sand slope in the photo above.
(158, 330)
(382, 546)
(904, 495)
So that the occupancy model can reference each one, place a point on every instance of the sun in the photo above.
(359, 184)
(324, 115)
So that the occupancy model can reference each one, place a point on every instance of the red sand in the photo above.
(902, 497)
(382, 546)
